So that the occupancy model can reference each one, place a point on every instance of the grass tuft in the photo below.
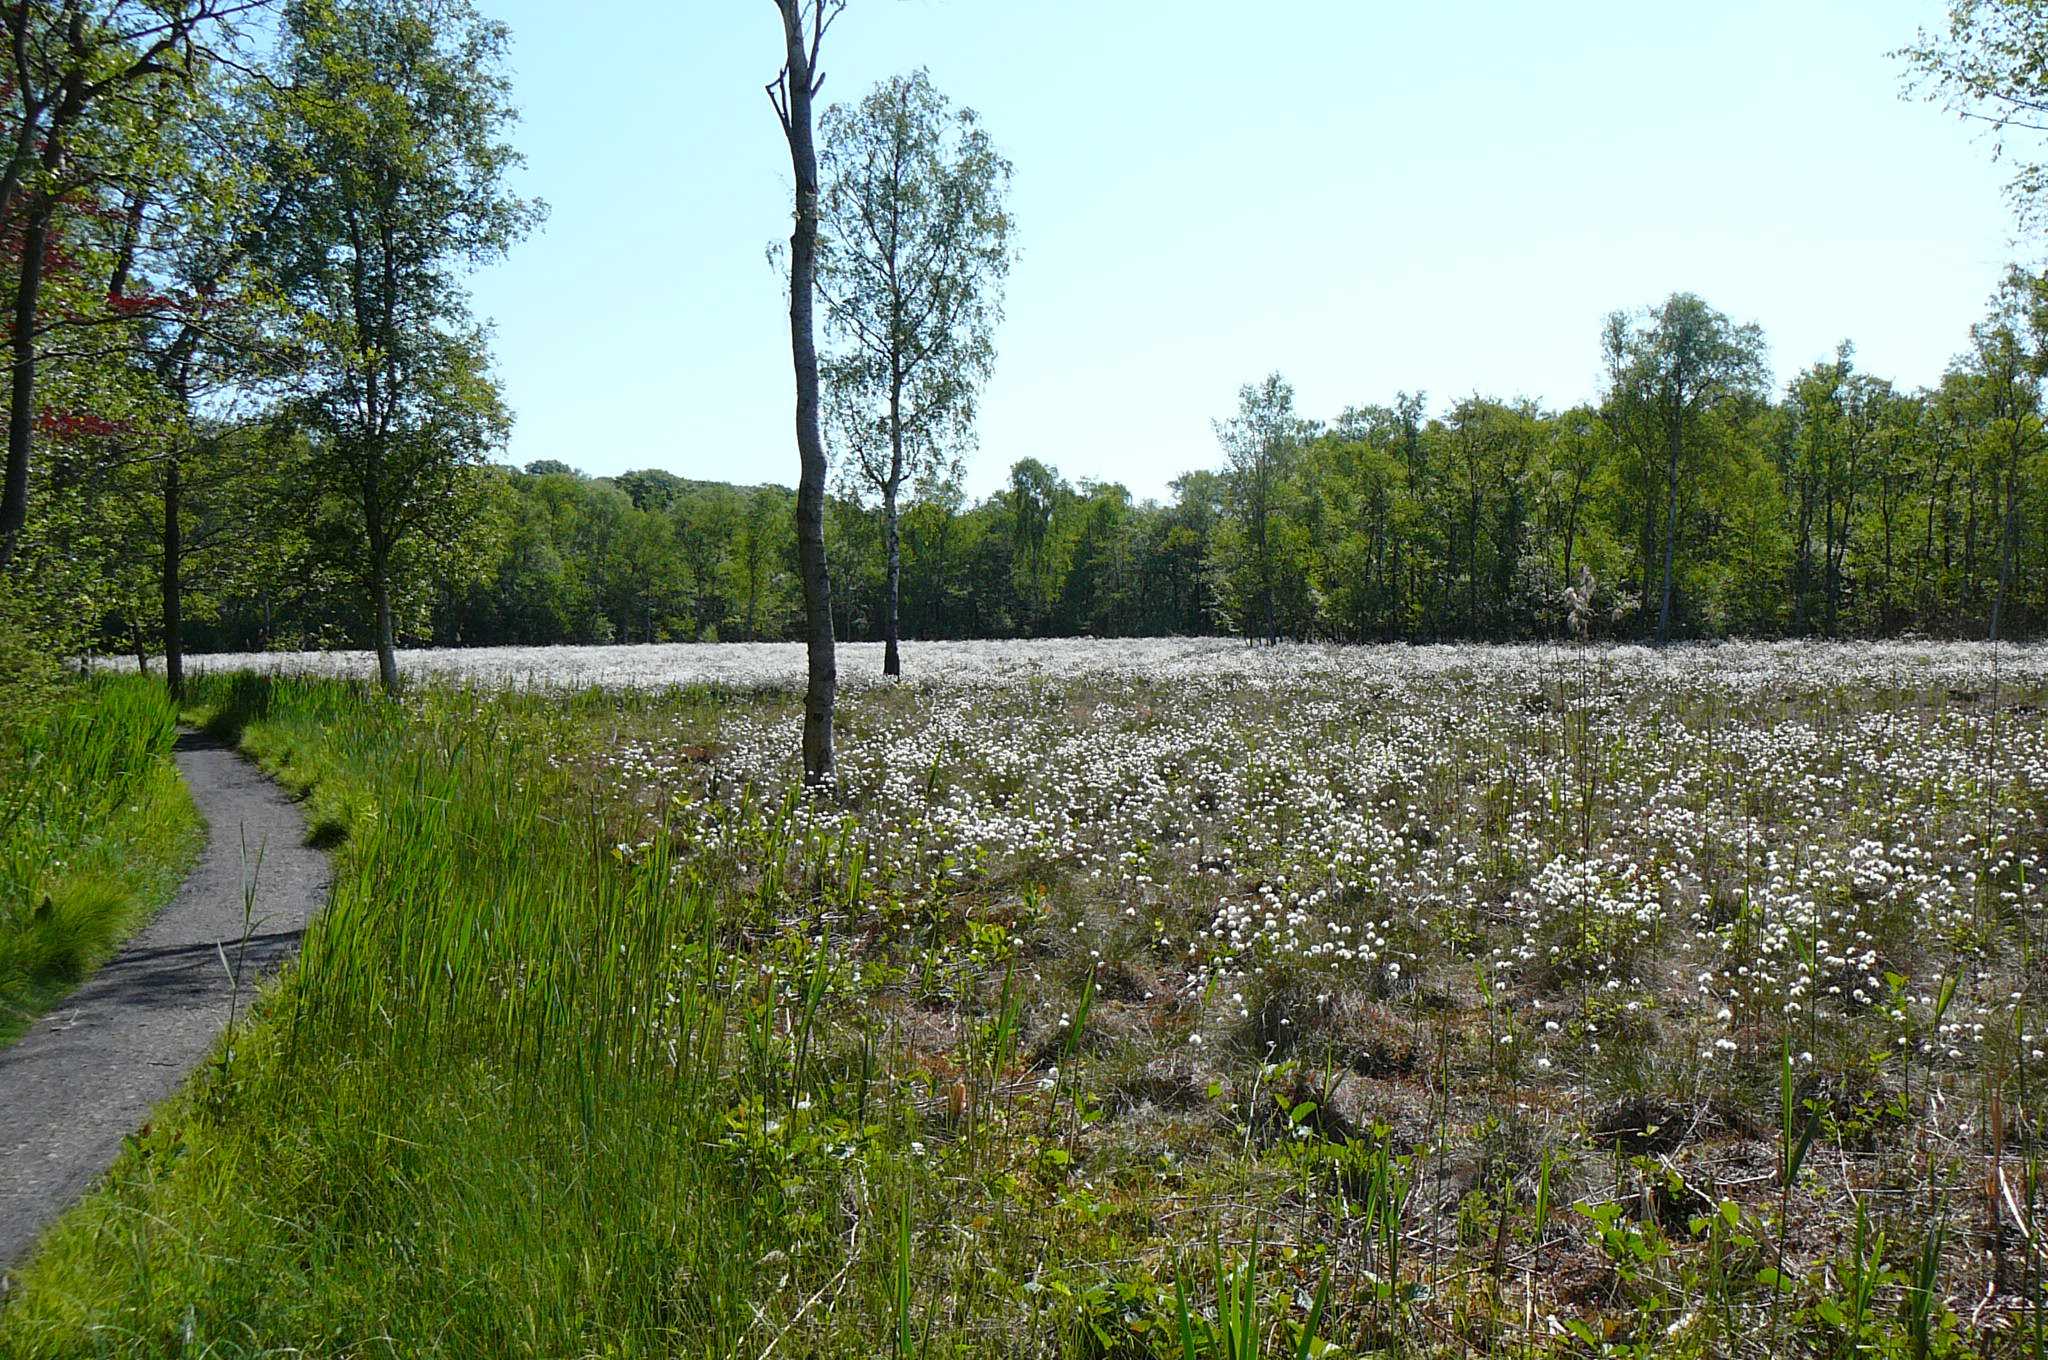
(96, 830)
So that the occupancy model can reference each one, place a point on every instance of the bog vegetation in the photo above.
(1462, 1000)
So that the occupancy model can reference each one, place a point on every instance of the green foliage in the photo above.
(913, 305)
(564, 558)
(386, 145)
(1848, 509)
(1261, 445)
(1984, 64)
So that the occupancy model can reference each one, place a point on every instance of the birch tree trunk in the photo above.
(798, 85)
(892, 544)
(387, 640)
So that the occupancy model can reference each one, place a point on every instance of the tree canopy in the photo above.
(250, 405)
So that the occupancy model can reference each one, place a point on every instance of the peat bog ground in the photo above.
(1127, 1000)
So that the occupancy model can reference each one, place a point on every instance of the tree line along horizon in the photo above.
(249, 405)
(1846, 507)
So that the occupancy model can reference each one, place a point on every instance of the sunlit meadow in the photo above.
(1179, 998)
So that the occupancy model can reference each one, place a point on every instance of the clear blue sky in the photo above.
(1365, 196)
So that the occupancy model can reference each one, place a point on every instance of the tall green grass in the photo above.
(491, 1112)
(95, 831)
(542, 1086)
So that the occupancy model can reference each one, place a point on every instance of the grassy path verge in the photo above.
(96, 832)
(482, 1117)
(88, 1074)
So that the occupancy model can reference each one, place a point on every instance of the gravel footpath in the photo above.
(90, 1071)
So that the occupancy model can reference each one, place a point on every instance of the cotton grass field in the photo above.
(780, 665)
(1123, 998)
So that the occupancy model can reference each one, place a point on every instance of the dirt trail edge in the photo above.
(89, 1072)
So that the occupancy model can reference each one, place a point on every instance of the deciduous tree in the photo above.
(913, 252)
(1668, 370)
(1260, 444)
(390, 142)
(81, 90)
